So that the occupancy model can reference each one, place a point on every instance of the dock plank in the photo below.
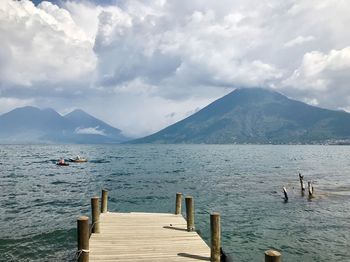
(143, 237)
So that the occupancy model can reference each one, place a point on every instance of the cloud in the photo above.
(7, 103)
(194, 51)
(90, 131)
(43, 46)
(141, 65)
(299, 40)
(324, 76)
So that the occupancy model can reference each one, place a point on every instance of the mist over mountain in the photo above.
(259, 116)
(34, 125)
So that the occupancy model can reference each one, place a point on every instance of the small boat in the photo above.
(78, 159)
(62, 163)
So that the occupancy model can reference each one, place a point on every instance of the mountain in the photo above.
(33, 125)
(260, 116)
(88, 126)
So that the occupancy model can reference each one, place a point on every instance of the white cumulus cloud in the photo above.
(41, 46)
(324, 77)
(134, 63)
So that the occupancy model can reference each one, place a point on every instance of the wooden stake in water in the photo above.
(178, 203)
(189, 213)
(310, 188)
(301, 179)
(95, 214)
(285, 194)
(104, 201)
(215, 229)
(273, 256)
(83, 239)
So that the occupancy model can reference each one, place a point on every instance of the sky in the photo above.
(141, 65)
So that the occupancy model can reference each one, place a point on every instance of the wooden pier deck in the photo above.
(146, 237)
(153, 237)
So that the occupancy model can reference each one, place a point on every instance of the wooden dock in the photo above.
(146, 237)
(149, 237)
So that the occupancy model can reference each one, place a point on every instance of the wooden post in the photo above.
(189, 213)
(285, 194)
(301, 179)
(83, 239)
(95, 214)
(104, 201)
(178, 203)
(273, 256)
(310, 188)
(215, 229)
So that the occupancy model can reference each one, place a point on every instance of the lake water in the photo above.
(40, 202)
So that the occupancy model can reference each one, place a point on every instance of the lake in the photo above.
(40, 202)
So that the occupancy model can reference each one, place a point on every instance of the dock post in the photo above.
(83, 239)
(95, 214)
(273, 256)
(104, 201)
(215, 229)
(178, 203)
(189, 213)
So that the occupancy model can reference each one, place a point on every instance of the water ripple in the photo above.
(40, 202)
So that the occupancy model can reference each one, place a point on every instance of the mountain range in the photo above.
(257, 116)
(34, 125)
(247, 115)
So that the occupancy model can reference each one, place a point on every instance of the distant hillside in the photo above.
(260, 116)
(88, 125)
(33, 125)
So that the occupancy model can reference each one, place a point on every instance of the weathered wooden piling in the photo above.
(273, 256)
(95, 215)
(285, 194)
(215, 229)
(190, 213)
(178, 203)
(83, 239)
(104, 201)
(310, 189)
(301, 179)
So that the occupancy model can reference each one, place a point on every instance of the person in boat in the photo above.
(61, 162)
(77, 157)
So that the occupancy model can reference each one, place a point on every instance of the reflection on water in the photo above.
(40, 201)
